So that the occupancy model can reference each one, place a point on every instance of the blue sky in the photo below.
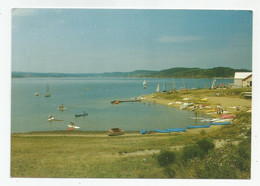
(109, 40)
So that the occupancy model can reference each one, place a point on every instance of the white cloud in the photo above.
(178, 39)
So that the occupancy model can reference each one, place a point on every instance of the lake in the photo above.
(94, 95)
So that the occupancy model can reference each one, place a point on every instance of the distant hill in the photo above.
(179, 72)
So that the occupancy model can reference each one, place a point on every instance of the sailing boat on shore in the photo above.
(48, 91)
(144, 84)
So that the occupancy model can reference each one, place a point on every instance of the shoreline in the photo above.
(210, 103)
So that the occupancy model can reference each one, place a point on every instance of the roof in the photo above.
(242, 75)
(250, 76)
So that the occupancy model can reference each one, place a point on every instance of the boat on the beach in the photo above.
(115, 132)
(81, 114)
(143, 131)
(199, 126)
(219, 123)
(225, 116)
(162, 131)
(176, 130)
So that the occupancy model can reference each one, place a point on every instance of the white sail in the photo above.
(144, 84)
(158, 88)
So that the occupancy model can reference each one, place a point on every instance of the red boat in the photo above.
(227, 116)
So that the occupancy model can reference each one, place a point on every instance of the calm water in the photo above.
(93, 95)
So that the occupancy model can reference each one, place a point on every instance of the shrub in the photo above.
(190, 152)
(166, 158)
(206, 144)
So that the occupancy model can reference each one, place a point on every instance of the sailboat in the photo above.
(213, 84)
(144, 84)
(158, 88)
(48, 93)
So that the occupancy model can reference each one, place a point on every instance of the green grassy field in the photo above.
(96, 155)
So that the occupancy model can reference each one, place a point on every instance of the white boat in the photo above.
(50, 118)
(73, 126)
(36, 93)
(48, 93)
(144, 84)
(158, 88)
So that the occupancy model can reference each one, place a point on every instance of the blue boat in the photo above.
(200, 126)
(142, 131)
(176, 130)
(81, 114)
(161, 131)
(219, 123)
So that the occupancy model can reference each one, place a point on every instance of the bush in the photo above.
(166, 158)
(206, 144)
(190, 152)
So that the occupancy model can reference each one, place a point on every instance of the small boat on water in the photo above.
(144, 84)
(36, 93)
(219, 123)
(61, 107)
(176, 130)
(72, 126)
(199, 126)
(115, 102)
(115, 132)
(48, 91)
(81, 114)
(161, 131)
(50, 118)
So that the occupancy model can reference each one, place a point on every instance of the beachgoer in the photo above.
(72, 123)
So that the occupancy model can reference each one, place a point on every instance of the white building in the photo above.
(242, 79)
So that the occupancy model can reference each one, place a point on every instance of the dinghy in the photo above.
(219, 123)
(176, 130)
(199, 126)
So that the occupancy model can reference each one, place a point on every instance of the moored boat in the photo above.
(81, 114)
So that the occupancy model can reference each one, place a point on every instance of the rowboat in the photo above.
(115, 132)
(219, 123)
(142, 131)
(200, 126)
(227, 116)
(161, 131)
(176, 130)
(81, 114)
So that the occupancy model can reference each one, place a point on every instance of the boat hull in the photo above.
(200, 126)
(218, 123)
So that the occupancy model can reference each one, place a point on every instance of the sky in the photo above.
(124, 40)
